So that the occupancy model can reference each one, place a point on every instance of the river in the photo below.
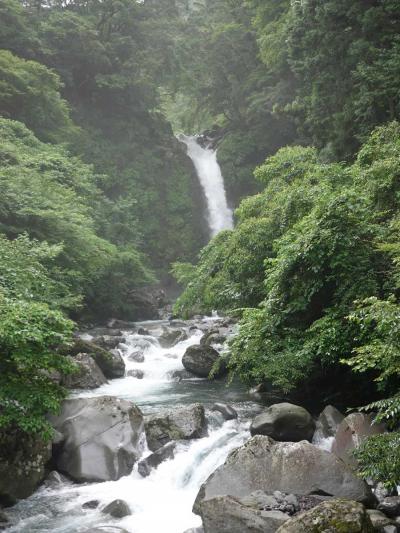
(161, 502)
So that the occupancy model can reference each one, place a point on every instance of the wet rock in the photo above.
(170, 337)
(390, 506)
(143, 331)
(382, 492)
(182, 374)
(117, 509)
(185, 423)
(331, 516)
(138, 357)
(123, 324)
(284, 422)
(99, 331)
(109, 341)
(389, 529)
(292, 467)
(135, 373)
(4, 521)
(107, 529)
(327, 423)
(145, 466)
(212, 337)
(110, 361)
(102, 438)
(225, 514)
(55, 479)
(195, 530)
(200, 360)
(352, 431)
(23, 460)
(87, 375)
(378, 519)
(91, 504)
(227, 411)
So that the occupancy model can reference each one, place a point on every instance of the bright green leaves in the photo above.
(29, 365)
(29, 92)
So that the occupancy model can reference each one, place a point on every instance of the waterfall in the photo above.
(219, 216)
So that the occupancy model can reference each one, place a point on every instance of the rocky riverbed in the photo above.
(147, 443)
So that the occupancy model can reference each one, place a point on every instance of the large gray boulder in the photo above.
(293, 467)
(87, 375)
(185, 423)
(23, 460)
(102, 438)
(352, 431)
(110, 361)
(200, 360)
(284, 422)
(225, 514)
(333, 516)
(327, 423)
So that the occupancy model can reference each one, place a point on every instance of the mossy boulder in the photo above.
(335, 516)
(110, 362)
(23, 460)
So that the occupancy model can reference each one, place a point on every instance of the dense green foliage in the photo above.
(304, 250)
(31, 327)
(275, 72)
(313, 266)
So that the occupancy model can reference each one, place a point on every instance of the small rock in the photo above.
(378, 519)
(91, 504)
(135, 373)
(390, 506)
(332, 516)
(3, 518)
(227, 411)
(117, 509)
(138, 357)
(382, 492)
(327, 423)
(170, 337)
(55, 479)
(145, 466)
(390, 529)
(109, 341)
(284, 422)
(182, 374)
(143, 331)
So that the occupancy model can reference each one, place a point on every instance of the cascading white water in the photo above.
(219, 217)
(162, 501)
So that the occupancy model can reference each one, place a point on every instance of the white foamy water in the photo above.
(163, 501)
(219, 215)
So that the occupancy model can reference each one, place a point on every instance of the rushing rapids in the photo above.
(219, 215)
(163, 500)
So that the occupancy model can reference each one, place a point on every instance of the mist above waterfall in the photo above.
(219, 215)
